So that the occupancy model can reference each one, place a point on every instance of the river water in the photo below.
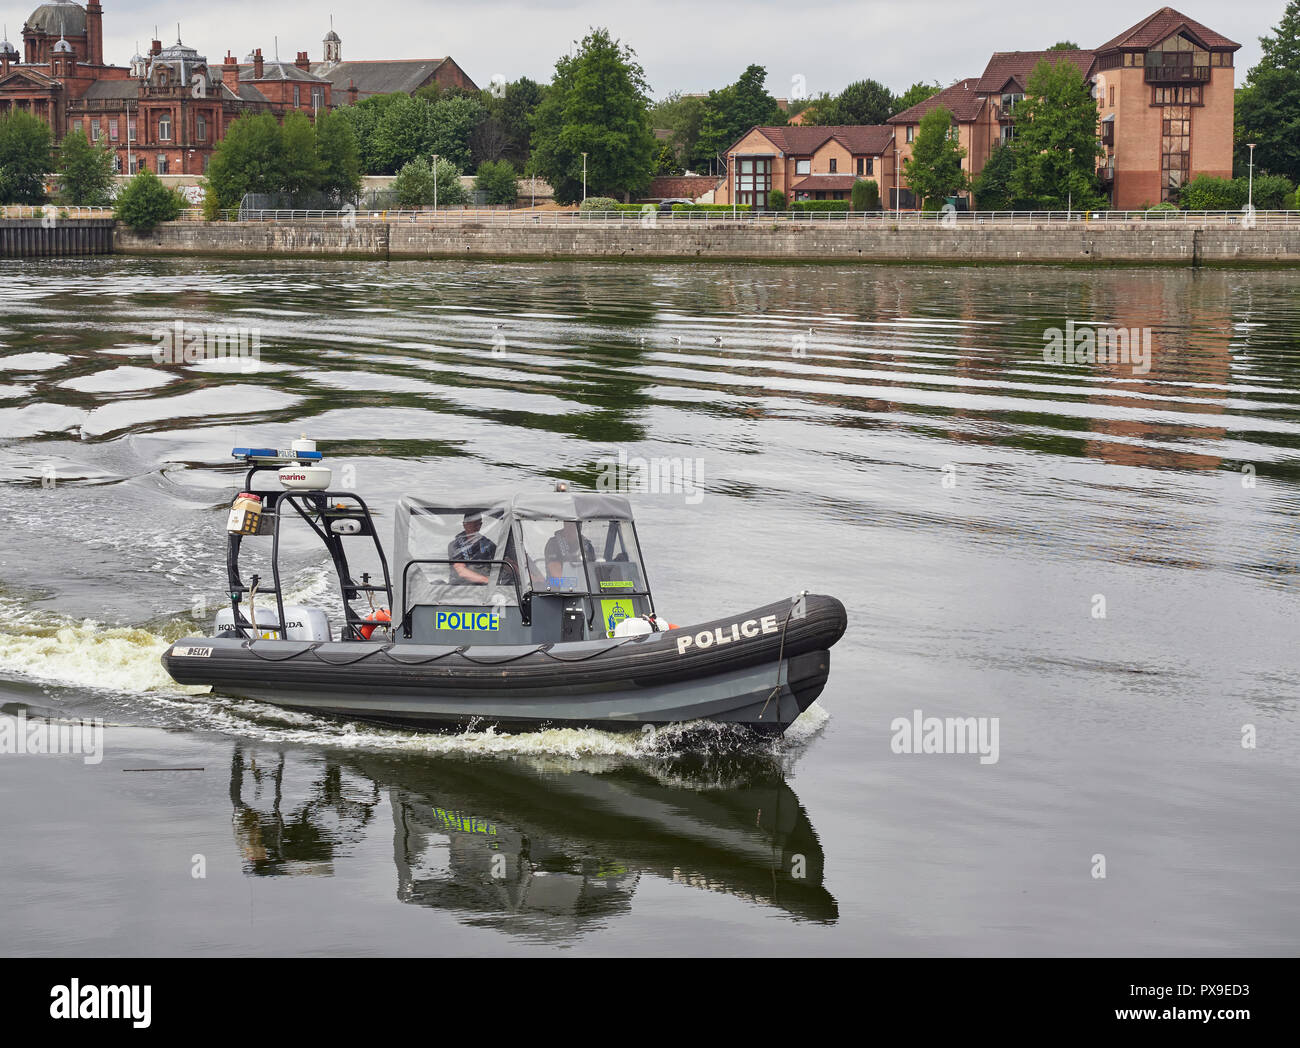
(1098, 559)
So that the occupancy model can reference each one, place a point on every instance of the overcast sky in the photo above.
(685, 46)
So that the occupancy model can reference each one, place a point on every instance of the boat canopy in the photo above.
(439, 560)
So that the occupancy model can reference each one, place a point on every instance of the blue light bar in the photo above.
(272, 455)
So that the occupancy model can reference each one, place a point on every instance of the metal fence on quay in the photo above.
(653, 218)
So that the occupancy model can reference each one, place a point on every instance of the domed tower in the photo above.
(139, 64)
(333, 45)
(62, 20)
(8, 53)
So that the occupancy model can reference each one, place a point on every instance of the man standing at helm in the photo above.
(469, 547)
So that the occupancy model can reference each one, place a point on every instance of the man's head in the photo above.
(472, 522)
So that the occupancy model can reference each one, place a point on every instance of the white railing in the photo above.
(653, 218)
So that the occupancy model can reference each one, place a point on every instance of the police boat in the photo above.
(519, 612)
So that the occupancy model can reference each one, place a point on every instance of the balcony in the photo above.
(1177, 74)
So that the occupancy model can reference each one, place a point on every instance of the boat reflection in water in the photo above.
(542, 847)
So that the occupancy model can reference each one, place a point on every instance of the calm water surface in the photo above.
(889, 435)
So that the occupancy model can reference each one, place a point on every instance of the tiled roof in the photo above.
(113, 89)
(382, 77)
(1017, 65)
(1163, 24)
(962, 99)
(804, 140)
(274, 70)
(826, 182)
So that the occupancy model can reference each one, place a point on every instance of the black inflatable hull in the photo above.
(760, 669)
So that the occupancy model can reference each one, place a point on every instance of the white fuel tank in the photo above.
(301, 623)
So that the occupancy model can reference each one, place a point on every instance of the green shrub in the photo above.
(1164, 205)
(866, 195)
(413, 186)
(1272, 192)
(599, 204)
(820, 205)
(496, 180)
(1208, 193)
(776, 201)
(144, 202)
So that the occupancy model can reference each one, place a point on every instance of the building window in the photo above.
(803, 167)
(871, 165)
(206, 158)
(318, 98)
(753, 180)
(861, 165)
(165, 128)
(117, 164)
(201, 127)
(162, 163)
(911, 131)
(1112, 96)
(1175, 151)
(297, 96)
(130, 130)
(94, 130)
(834, 165)
(112, 129)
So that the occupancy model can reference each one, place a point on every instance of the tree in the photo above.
(992, 186)
(865, 195)
(497, 181)
(776, 200)
(1268, 107)
(915, 95)
(339, 155)
(401, 134)
(733, 110)
(451, 121)
(145, 201)
(1056, 147)
(597, 104)
(933, 171)
(684, 117)
(85, 172)
(1064, 45)
(250, 159)
(413, 186)
(26, 157)
(862, 102)
(515, 113)
(301, 168)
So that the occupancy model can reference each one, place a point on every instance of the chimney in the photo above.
(257, 64)
(94, 33)
(230, 72)
(352, 92)
(302, 62)
(155, 48)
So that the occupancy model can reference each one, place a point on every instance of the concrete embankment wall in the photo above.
(54, 237)
(1076, 243)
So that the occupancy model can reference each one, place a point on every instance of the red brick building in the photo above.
(1164, 91)
(354, 81)
(166, 111)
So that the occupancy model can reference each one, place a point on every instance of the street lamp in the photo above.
(584, 178)
(1250, 182)
(435, 184)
